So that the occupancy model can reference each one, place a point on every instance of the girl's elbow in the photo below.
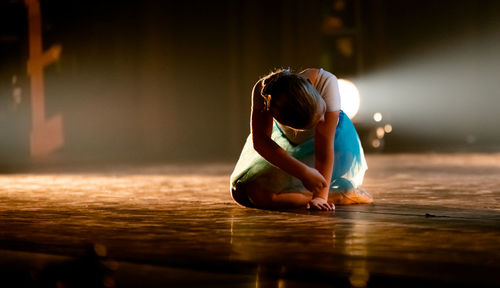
(259, 144)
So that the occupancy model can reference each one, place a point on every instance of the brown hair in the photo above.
(297, 97)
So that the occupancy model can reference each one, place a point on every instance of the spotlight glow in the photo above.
(388, 128)
(380, 132)
(349, 97)
(377, 117)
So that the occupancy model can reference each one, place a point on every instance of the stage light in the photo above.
(388, 128)
(380, 132)
(349, 97)
(377, 117)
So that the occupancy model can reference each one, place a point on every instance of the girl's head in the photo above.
(292, 99)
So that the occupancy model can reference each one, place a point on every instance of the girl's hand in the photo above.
(313, 180)
(319, 203)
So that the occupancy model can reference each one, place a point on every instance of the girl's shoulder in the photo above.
(323, 75)
(311, 74)
(318, 76)
(328, 87)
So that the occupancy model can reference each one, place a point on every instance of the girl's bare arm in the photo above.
(262, 127)
(324, 149)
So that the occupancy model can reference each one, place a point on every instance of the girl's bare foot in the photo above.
(352, 196)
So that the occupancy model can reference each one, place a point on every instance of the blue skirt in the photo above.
(348, 170)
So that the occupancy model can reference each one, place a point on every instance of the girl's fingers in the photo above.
(320, 207)
(324, 206)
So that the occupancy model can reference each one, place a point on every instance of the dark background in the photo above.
(171, 80)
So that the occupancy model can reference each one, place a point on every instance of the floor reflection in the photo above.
(434, 223)
(289, 245)
(90, 270)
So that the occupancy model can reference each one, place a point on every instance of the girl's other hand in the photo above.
(319, 203)
(313, 180)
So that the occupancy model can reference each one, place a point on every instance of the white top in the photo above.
(328, 87)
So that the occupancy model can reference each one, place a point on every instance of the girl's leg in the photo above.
(263, 197)
(241, 197)
(351, 196)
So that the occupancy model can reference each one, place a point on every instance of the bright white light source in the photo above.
(377, 117)
(388, 128)
(349, 97)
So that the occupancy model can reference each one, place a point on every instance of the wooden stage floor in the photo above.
(435, 222)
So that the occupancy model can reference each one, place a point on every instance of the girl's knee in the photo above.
(240, 196)
(260, 197)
